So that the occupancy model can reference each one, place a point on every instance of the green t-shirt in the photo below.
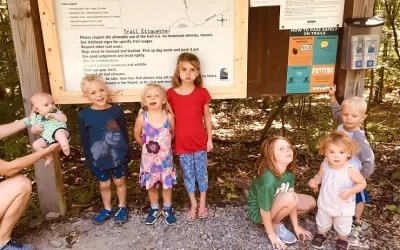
(262, 191)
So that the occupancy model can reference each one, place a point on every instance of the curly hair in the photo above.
(338, 138)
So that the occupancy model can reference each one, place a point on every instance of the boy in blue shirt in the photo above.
(350, 115)
(105, 144)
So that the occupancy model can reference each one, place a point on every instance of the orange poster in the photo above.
(322, 77)
(300, 50)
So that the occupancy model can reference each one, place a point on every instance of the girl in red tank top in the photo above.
(193, 138)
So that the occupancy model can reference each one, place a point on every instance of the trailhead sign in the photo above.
(133, 42)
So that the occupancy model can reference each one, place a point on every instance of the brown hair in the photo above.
(192, 59)
(266, 160)
(338, 138)
(163, 93)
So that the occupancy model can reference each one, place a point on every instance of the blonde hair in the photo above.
(39, 95)
(338, 138)
(266, 160)
(163, 93)
(356, 101)
(89, 78)
(192, 59)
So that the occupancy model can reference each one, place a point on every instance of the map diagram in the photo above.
(176, 13)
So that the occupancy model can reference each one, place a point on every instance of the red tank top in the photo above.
(190, 133)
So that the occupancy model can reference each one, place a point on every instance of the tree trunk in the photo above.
(392, 10)
(273, 116)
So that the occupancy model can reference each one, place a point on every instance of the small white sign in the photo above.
(371, 49)
(260, 3)
(357, 47)
(303, 14)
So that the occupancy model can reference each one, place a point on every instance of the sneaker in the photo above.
(152, 216)
(342, 245)
(121, 215)
(102, 217)
(285, 235)
(169, 216)
(356, 225)
(318, 241)
(12, 245)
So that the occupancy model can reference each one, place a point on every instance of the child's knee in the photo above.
(119, 182)
(105, 185)
(291, 199)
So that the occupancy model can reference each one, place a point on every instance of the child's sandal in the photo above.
(191, 215)
(202, 214)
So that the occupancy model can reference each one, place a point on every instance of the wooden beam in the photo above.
(351, 82)
(25, 25)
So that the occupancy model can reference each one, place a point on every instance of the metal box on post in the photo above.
(361, 39)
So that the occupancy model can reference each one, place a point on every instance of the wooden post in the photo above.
(351, 82)
(29, 49)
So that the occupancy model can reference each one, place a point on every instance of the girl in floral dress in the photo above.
(154, 131)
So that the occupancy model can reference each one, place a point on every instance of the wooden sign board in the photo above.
(133, 42)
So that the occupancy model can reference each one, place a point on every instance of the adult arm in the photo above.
(11, 128)
(13, 167)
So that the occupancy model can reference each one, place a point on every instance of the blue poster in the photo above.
(298, 79)
(325, 49)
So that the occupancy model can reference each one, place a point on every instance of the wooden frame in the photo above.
(56, 74)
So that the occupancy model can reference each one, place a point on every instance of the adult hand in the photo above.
(302, 234)
(210, 145)
(276, 242)
(332, 90)
(55, 147)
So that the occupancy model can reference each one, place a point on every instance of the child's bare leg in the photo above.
(305, 203)
(39, 145)
(105, 192)
(359, 210)
(282, 206)
(166, 195)
(193, 201)
(202, 205)
(153, 195)
(121, 191)
(62, 138)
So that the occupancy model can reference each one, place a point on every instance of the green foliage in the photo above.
(396, 176)
(231, 189)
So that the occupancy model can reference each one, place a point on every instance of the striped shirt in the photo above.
(49, 126)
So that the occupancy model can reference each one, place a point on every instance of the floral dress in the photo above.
(157, 167)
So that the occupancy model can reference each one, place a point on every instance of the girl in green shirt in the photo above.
(272, 196)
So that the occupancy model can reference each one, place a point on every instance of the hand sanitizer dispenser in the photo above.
(361, 39)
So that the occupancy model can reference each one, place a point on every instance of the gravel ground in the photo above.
(226, 228)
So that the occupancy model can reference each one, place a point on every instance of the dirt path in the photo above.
(226, 228)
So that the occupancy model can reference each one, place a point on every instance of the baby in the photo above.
(49, 122)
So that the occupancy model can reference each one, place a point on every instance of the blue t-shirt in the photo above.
(104, 137)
